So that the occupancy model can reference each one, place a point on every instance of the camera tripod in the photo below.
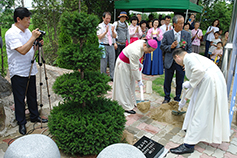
(38, 45)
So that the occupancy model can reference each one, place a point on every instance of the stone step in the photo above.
(1, 153)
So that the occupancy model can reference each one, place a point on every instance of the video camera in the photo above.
(41, 35)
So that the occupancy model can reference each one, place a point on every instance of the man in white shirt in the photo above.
(106, 33)
(19, 45)
(166, 27)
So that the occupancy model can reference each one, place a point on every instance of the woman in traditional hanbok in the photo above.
(134, 30)
(153, 62)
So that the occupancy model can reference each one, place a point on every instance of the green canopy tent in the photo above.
(158, 5)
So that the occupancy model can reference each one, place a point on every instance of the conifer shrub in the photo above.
(85, 122)
(87, 130)
(72, 88)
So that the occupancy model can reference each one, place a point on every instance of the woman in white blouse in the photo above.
(210, 34)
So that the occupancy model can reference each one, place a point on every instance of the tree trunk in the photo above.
(82, 74)
(2, 51)
(48, 28)
(82, 77)
(22, 3)
(55, 24)
(2, 117)
(79, 6)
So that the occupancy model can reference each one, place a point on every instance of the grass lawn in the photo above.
(3, 51)
(158, 85)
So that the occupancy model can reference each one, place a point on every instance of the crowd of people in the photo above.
(115, 37)
(122, 34)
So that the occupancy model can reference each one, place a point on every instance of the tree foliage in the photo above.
(6, 16)
(46, 17)
(73, 5)
(82, 49)
(215, 9)
(98, 7)
(47, 14)
(72, 88)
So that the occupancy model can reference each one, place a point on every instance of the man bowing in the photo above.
(207, 115)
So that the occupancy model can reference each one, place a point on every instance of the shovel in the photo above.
(143, 105)
(179, 112)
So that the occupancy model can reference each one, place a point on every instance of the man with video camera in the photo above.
(20, 52)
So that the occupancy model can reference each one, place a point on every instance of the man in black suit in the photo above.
(171, 40)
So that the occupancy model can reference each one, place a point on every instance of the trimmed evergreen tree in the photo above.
(86, 122)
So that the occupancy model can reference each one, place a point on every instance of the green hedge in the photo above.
(72, 57)
(72, 88)
(87, 130)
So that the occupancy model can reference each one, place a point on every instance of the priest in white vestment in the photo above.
(207, 117)
(127, 72)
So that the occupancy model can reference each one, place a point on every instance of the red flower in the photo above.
(184, 42)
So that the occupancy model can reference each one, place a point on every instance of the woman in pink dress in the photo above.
(135, 30)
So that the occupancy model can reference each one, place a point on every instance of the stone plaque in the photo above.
(149, 148)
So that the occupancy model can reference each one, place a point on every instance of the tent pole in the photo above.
(186, 17)
(114, 14)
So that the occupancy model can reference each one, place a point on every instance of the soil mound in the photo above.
(144, 107)
(163, 114)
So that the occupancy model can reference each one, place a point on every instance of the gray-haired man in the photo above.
(169, 43)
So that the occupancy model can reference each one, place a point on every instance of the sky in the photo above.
(28, 3)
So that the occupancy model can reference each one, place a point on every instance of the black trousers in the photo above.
(18, 88)
(169, 73)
